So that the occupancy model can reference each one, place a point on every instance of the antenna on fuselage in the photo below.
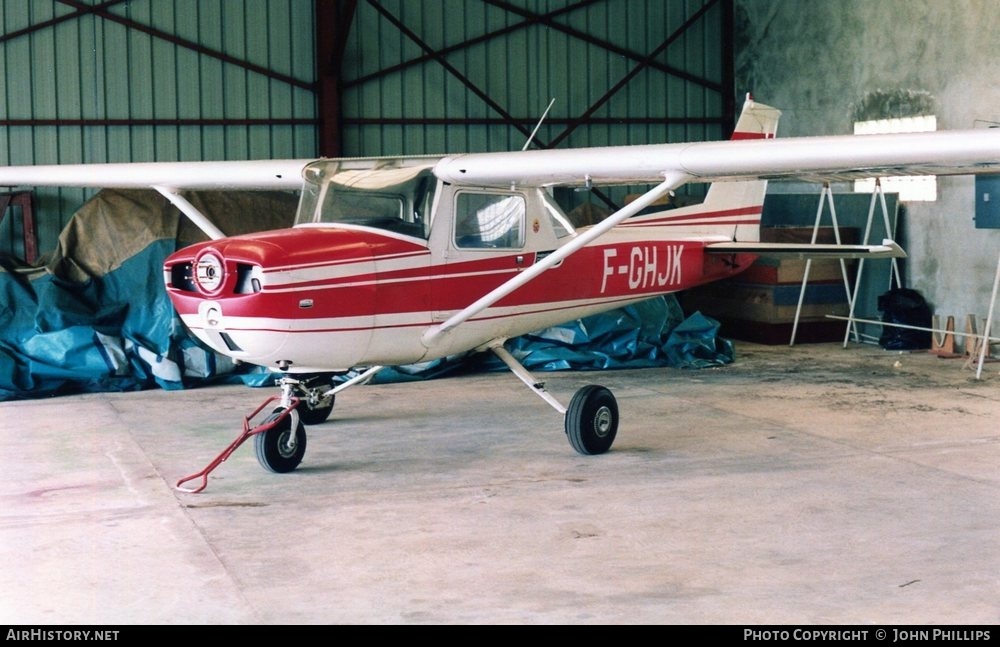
(545, 114)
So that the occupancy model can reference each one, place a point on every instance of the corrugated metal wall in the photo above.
(140, 80)
(520, 63)
(453, 75)
(150, 80)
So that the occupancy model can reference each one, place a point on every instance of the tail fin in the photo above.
(730, 209)
(756, 121)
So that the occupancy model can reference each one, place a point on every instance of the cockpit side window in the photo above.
(489, 220)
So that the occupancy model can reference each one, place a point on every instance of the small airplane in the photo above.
(395, 261)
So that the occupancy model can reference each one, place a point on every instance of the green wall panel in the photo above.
(425, 108)
(523, 68)
(93, 68)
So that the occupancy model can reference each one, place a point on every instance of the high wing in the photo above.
(839, 157)
(184, 176)
(168, 178)
(255, 174)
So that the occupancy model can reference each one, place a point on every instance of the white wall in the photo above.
(817, 60)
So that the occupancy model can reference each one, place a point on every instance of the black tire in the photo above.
(314, 416)
(272, 448)
(592, 420)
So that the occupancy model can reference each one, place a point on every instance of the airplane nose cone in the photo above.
(305, 296)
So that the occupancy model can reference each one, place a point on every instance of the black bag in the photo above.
(907, 307)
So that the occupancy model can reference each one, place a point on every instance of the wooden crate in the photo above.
(759, 304)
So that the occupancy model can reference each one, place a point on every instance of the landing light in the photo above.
(209, 273)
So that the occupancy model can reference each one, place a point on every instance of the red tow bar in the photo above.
(248, 431)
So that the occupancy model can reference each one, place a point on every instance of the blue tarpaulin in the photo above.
(95, 315)
(643, 335)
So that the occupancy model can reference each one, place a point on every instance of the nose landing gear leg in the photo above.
(272, 422)
(278, 449)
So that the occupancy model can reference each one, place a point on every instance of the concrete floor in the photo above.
(804, 485)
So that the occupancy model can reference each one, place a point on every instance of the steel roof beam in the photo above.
(695, 17)
(611, 47)
(409, 33)
(77, 13)
(467, 43)
(191, 45)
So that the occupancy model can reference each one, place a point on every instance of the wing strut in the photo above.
(191, 211)
(672, 181)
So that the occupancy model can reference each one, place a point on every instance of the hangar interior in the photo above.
(810, 484)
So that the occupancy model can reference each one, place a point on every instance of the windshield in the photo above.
(394, 199)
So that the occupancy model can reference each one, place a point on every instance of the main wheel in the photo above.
(276, 449)
(315, 414)
(592, 420)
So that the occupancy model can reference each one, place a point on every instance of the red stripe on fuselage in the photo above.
(336, 263)
(701, 218)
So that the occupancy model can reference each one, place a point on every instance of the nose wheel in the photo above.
(280, 440)
(278, 449)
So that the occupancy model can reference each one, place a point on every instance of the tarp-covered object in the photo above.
(96, 316)
(649, 333)
(643, 335)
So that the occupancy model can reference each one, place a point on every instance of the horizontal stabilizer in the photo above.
(888, 249)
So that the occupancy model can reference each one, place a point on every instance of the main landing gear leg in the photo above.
(591, 420)
(278, 449)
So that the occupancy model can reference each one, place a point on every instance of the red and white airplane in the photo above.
(400, 260)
